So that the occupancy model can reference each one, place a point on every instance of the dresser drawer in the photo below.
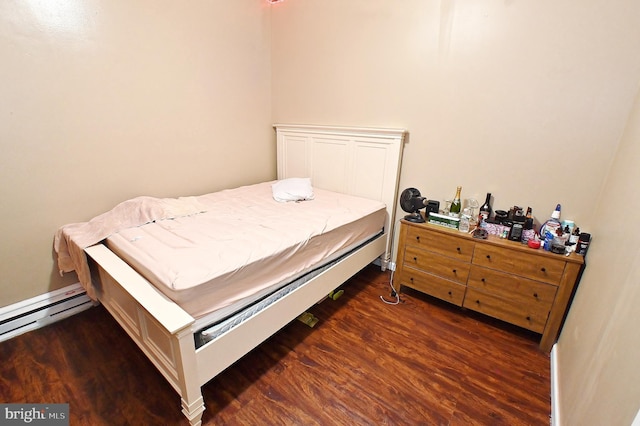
(437, 264)
(433, 285)
(446, 245)
(533, 295)
(541, 268)
(531, 317)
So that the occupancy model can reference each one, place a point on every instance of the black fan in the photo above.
(411, 202)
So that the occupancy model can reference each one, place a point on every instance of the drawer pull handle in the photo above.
(528, 318)
(543, 269)
(418, 238)
(455, 271)
(477, 302)
(535, 295)
(450, 294)
(411, 279)
(489, 256)
(483, 280)
(458, 248)
(415, 259)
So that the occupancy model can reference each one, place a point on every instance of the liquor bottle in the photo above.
(485, 209)
(454, 211)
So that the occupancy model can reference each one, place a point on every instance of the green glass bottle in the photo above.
(454, 211)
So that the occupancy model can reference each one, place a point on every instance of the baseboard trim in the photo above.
(555, 409)
(390, 265)
(41, 310)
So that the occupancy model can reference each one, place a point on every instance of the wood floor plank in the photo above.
(365, 362)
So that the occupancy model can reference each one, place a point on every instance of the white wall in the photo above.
(527, 100)
(104, 100)
(599, 349)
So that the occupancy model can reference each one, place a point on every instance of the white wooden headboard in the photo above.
(358, 161)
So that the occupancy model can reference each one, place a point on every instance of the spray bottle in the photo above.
(549, 229)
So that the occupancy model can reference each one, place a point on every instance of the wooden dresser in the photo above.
(503, 279)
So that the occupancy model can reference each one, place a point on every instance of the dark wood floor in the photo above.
(365, 363)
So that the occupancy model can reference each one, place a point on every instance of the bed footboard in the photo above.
(161, 329)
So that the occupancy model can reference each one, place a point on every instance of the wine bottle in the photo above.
(454, 211)
(485, 209)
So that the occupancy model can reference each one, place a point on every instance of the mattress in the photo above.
(244, 245)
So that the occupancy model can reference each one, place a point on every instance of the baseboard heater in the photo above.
(41, 310)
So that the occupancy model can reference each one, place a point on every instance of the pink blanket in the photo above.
(71, 240)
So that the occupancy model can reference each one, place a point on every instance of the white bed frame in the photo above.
(357, 161)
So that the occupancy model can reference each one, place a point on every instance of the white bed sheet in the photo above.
(245, 244)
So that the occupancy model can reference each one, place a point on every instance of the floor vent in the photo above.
(42, 310)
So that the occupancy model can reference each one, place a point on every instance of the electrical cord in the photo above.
(394, 293)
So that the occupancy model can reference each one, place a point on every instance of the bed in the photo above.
(191, 336)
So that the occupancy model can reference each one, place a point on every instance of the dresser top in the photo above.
(496, 241)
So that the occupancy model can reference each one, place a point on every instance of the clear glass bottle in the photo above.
(465, 220)
(454, 210)
(472, 204)
(463, 226)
